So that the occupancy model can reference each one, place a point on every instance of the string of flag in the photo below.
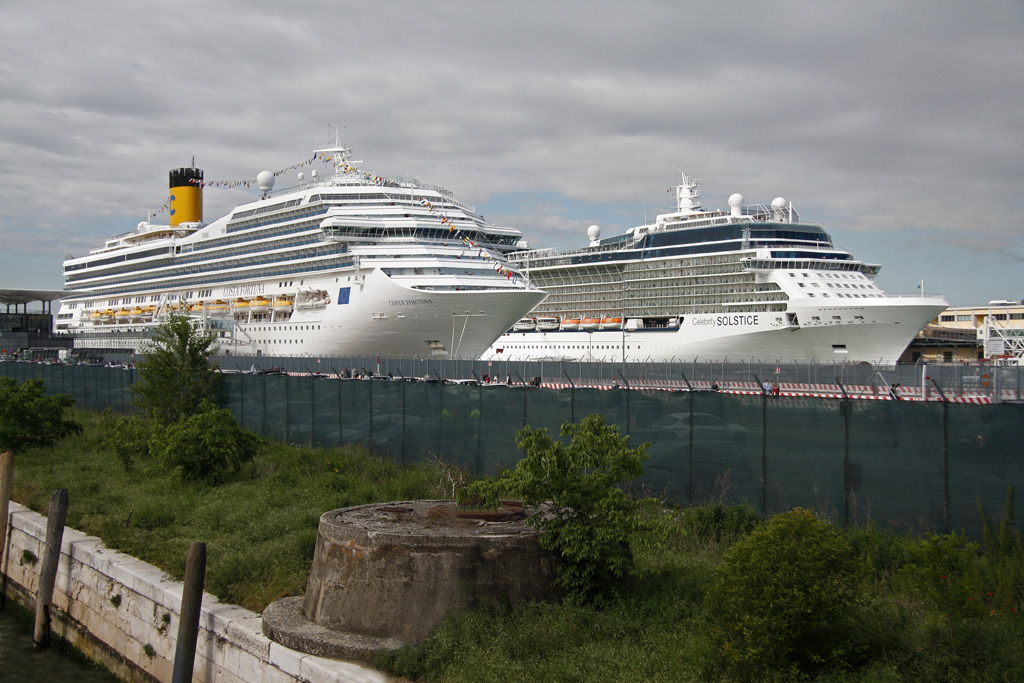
(249, 182)
(481, 252)
(380, 180)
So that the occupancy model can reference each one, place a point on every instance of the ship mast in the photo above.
(339, 155)
(687, 195)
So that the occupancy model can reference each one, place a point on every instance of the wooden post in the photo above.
(191, 608)
(48, 570)
(6, 478)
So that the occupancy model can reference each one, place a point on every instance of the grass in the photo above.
(260, 529)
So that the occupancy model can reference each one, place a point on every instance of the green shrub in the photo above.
(590, 522)
(28, 418)
(208, 446)
(964, 590)
(785, 600)
(126, 435)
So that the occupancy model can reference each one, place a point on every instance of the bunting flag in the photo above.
(481, 253)
(249, 182)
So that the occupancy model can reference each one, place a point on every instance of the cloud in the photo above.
(887, 118)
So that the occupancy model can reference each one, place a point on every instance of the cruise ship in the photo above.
(753, 283)
(347, 263)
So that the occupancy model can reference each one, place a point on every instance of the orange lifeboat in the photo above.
(571, 324)
(590, 323)
(611, 323)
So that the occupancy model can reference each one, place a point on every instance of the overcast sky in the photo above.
(898, 126)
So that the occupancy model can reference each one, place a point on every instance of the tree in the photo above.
(176, 375)
(28, 418)
(587, 520)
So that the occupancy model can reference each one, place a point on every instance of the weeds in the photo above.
(260, 526)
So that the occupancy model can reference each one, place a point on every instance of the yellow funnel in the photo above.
(186, 195)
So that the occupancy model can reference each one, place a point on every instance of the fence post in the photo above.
(191, 608)
(845, 407)
(48, 569)
(945, 456)
(689, 467)
(572, 397)
(6, 477)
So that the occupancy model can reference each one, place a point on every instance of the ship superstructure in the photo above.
(751, 283)
(347, 264)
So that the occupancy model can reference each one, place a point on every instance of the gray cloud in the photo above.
(894, 124)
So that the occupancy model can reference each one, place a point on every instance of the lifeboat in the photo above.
(571, 324)
(136, 313)
(196, 308)
(241, 303)
(259, 304)
(611, 323)
(100, 316)
(122, 314)
(283, 304)
(590, 324)
(525, 324)
(217, 306)
(546, 324)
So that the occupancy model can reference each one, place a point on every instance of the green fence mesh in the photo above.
(929, 465)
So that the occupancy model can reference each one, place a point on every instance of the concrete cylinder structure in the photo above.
(394, 571)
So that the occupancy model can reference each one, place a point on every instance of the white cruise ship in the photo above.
(348, 264)
(754, 283)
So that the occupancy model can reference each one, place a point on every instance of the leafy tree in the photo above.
(28, 418)
(588, 520)
(176, 376)
(785, 600)
(126, 435)
(207, 446)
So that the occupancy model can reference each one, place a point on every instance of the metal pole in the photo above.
(572, 397)
(845, 407)
(689, 484)
(945, 456)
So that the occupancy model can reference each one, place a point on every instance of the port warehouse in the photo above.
(925, 464)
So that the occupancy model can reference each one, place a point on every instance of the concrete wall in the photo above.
(112, 606)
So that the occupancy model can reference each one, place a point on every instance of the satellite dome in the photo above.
(735, 200)
(779, 203)
(265, 180)
(301, 176)
(594, 233)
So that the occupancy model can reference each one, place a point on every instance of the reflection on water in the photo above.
(20, 661)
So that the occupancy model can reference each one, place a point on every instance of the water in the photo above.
(21, 661)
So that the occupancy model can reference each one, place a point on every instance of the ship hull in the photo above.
(363, 317)
(877, 333)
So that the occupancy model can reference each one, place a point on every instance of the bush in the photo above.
(963, 590)
(208, 446)
(785, 600)
(28, 418)
(127, 436)
(589, 523)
